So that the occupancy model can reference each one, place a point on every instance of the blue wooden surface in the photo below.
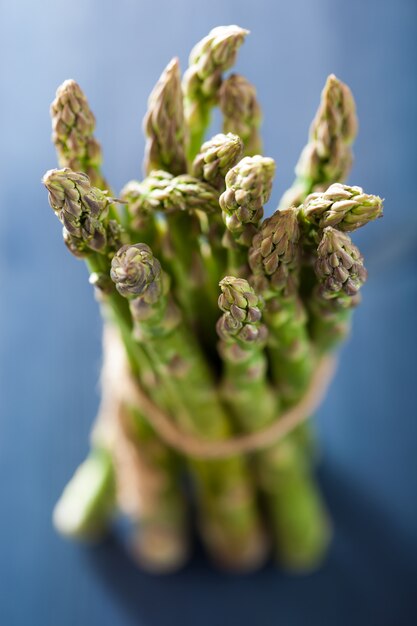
(50, 327)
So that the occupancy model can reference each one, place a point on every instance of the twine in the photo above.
(197, 447)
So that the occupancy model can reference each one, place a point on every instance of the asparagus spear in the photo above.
(228, 516)
(248, 188)
(274, 259)
(164, 124)
(241, 112)
(209, 59)
(73, 125)
(87, 503)
(297, 517)
(327, 158)
(216, 157)
(340, 272)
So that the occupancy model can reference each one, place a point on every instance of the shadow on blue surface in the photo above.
(335, 594)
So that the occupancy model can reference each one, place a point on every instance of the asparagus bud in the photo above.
(134, 269)
(164, 124)
(162, 192)
(216, 157)
(346, 208)
(274, 256)
(248, 188)
(340, 273)
(73, 125)
(138, 276)
(327, 158)
(339, 268)
(209, 58)
(242, 308)
(328, 155)
(241, 112)
(81, 208)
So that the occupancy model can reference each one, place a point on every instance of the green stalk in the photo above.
(297, 516)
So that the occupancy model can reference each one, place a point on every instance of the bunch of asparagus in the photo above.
(219, 316)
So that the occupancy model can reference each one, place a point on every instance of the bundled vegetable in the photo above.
(215, 318)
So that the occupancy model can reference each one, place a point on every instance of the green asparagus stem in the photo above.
(274, 259)
(248, 188)
(209, 59)
(228, 516)
(340, 273)
(241, 112)
(88, 501)
(327, 158)
(164, 124)
(73, 125)
(297, 517)
(216, 157)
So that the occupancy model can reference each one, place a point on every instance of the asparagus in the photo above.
(216, 157)
(73, 125)
(343, 207)
(248, 188)
(327, 158)
(228, 516)
(87, 503)
(209, 59)
(297, 517)
(164, 124)
(241, 112)
(274, 259)
(340, 273)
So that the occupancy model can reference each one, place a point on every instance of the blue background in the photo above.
(50, 327)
